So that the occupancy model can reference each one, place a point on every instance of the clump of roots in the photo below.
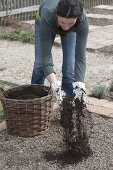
(74, 119)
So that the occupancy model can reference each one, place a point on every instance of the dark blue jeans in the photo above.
(68, 66)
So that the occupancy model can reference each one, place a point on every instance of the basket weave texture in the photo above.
(27, 110)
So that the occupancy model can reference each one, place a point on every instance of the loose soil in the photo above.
(100, 21)
(100, 11)
(48, 151)
(73, 115)
(76, 139)
(107, 49)
(109, 96)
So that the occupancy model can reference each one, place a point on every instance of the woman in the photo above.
(68, 19)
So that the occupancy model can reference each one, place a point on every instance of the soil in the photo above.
(109, 97)
(107, 49)
(100, 11)
(49, 151)
(73, 115)
(100, 22)
(76, 139)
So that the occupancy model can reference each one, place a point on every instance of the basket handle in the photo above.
(1, 93)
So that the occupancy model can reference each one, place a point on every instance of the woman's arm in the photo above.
(46, 42)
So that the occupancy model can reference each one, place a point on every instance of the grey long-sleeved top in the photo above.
(48, 27)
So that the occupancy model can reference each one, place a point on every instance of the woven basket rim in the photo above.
(21, 100)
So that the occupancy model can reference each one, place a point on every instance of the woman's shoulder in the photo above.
(48, 6)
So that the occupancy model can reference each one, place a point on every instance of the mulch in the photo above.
(106, 49)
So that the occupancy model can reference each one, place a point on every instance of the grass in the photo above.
(18, 35)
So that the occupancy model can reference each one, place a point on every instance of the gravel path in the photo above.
(17, 62)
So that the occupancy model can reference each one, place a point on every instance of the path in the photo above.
(100, 37)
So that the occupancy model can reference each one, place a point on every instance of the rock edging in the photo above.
(100, 106)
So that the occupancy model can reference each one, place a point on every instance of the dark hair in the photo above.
(69, 8)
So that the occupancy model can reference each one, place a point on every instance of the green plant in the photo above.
(3, 85)
(1, 113)
(99, 91)
(13, 35)
(27, 37)
(111, 85)
(18, 35)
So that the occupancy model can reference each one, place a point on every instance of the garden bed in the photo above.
(100, 11)
(107, 49)
(100, 21)
(48, 150)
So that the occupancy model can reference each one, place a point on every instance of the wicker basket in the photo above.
(27, 110)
